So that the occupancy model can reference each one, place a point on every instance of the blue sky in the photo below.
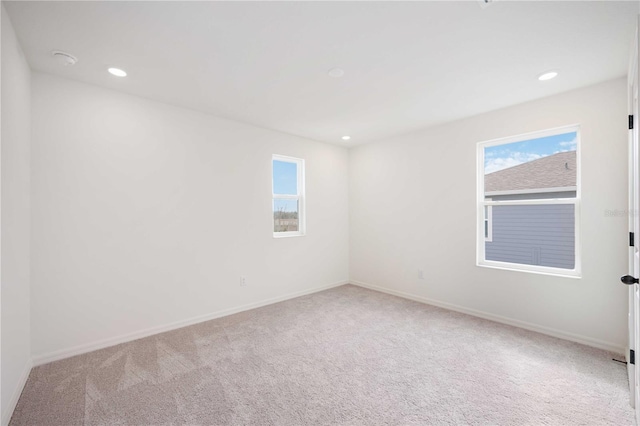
(504, 156)
(285, 181)
(285, 178)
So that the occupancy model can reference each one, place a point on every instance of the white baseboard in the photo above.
(585, 340)
(7, 411)
(100, 344)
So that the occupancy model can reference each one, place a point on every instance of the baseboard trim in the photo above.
(13, 402)
(104, 343)
(588, 341)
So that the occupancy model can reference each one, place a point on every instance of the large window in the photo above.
(288, 196)
(529, 202)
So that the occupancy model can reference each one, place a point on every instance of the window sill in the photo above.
(287, 234)
(541, 270)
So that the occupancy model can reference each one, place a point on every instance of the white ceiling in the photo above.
(407, 64)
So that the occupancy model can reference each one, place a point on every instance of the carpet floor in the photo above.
(345, 356)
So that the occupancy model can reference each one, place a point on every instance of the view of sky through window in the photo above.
(285, 178)
(501, 157)
(285, 182)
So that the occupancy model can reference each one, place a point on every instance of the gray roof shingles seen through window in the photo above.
(554, 171)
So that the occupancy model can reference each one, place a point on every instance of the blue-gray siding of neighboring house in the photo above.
(533, 235)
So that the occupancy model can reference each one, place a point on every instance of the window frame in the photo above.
(481, 202)
(488, 219)
(300, 196)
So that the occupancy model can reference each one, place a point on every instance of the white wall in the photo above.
(16, 133)
(412, 206)
(146, 215)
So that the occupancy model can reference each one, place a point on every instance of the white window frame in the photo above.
(488, 218)
(300, 196)
(481, 203)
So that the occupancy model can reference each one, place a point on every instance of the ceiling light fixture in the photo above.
(117, 72)
(346, 138)
(336, 72)
(64, 58)
(485, 3)
(548, 75)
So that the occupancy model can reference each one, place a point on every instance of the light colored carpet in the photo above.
(346, 356)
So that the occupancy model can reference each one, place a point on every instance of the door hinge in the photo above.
(632, 356)
(632, 239)
(630, 122)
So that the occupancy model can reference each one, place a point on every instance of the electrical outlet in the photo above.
(243, 281)
(420, 274)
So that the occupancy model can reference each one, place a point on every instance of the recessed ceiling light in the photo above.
(485, 3)
(64, 58)
(336, 72)
(548, 75)
(346, 138)
(117, 72)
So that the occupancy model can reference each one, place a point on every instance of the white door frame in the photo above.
(634, 227)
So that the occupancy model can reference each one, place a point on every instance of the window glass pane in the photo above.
(535, 168)
(285, 215)
(533, 235)
(285, 178)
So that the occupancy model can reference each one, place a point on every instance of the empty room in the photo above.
(319, 213)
